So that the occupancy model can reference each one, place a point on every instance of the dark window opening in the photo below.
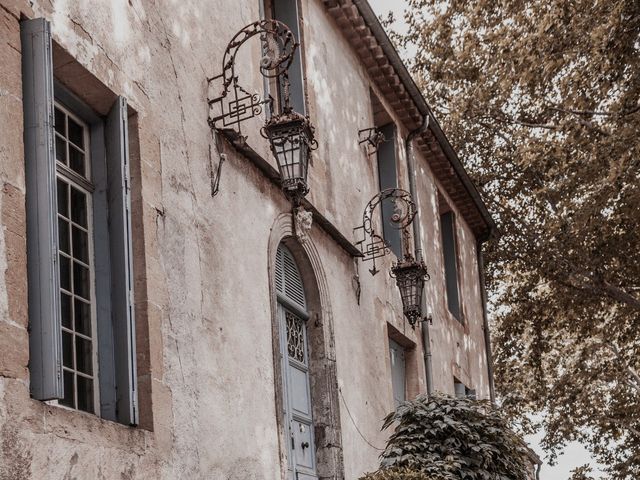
(450, 254)
(286, 11)
(388, 178)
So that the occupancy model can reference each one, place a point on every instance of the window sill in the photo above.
(87, 428)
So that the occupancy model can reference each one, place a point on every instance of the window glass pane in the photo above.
(76, 133)
(60, 117)
(68, 390)
(80, 280)
(61, 150)
(75, 262)
(85, 394)
(80, 244)
(76, 160)
(82, 317)
(78, 207)
(63, 235)
(65, 272)
(84, 362)
(65, 308)
(63, 198)
(67, 349)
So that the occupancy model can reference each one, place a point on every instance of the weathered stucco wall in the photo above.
(203, 301)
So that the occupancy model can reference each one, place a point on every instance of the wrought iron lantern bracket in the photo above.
(372, 244)
(371, 138)
(290, 134)
(409, 273)
(235, 104)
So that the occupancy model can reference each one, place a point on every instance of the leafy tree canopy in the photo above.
(541, 98)
(447, 438)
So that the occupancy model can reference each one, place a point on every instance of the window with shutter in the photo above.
(287, 12)
(288, 280)
(82, 348)
(388, 177)
(398, 372)
(462, 391)
(450, 256)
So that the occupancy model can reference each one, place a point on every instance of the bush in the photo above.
(393, 473)
(447, 438)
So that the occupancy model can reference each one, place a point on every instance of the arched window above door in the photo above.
(288, 279)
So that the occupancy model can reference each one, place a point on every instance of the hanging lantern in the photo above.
(291, 139)
(410, 276)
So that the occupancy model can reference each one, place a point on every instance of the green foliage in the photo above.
(447, 438)
(399, 474)
(542, 101)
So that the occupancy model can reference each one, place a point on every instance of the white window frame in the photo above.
(83, 184)
(113, 277)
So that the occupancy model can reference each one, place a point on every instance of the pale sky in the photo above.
(574, 454)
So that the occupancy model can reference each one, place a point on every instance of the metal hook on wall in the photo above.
(215, 176)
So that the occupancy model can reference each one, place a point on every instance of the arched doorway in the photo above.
(297, 405)
(320, 349)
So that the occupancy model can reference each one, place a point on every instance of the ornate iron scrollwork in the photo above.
(372, 245)
(235, 103)
(372, 138)
(290, 134)
(410, 273)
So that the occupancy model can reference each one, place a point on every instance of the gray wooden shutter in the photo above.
(45, 336)
(398, 372)
(117, 146)
(388, 177)
(102, 266)
(447, 223)
(459, 389)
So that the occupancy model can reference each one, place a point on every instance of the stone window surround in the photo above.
(75, 424)
(412, 357)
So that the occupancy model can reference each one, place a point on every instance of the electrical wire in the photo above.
(354, 423)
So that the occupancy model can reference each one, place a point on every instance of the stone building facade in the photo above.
(146, 325)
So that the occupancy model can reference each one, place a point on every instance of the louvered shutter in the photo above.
(288, 278)
(117, 146)
(45, 336)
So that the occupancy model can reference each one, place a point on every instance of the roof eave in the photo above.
(371, 19)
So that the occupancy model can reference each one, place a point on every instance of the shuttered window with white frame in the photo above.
(99, 170)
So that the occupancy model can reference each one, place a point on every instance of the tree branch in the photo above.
(630, 370)
(621, 113)
(588, 280)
